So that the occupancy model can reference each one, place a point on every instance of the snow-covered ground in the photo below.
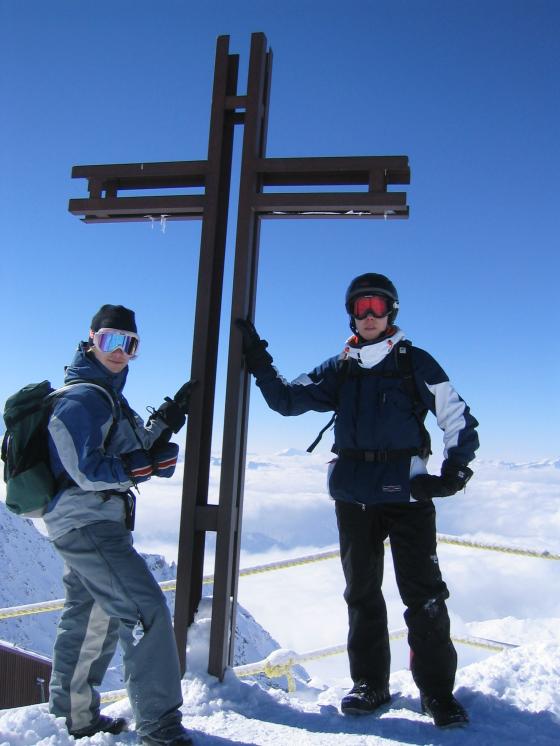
(513, 697)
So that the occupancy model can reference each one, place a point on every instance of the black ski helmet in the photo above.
(372, 284)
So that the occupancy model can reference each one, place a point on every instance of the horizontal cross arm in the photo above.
(117, 176)
(357, 170)
(329, 204)
(117, 209)
(206, 518)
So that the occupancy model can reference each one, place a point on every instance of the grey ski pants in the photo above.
(109, 592)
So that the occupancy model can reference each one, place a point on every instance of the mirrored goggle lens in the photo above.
(376, 305)
(111, 341)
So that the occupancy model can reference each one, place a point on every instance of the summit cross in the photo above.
(106, 203)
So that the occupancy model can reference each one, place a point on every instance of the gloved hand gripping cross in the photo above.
(174, 411)
(160, 460)
(254, 348)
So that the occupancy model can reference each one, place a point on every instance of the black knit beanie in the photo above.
(114, 317)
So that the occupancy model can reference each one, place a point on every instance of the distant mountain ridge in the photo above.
(544, 464)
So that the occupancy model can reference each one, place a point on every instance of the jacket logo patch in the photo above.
(391, 488)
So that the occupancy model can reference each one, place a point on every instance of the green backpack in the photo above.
(30, 484)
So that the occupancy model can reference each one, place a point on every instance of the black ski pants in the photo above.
(411, 528)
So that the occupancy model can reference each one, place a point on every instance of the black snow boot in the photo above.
(103, 725)
(173, 735)
(445, 711)
(363, 699)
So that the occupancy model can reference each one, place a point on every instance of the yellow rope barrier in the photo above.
(281, 662)
(519, 551)
(170, 585)
(39, 608)
(278, 663)
(295, 562)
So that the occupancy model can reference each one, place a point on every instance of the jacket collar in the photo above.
(370, 354)
(85, 367)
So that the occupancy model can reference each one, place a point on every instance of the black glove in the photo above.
(254, 348)
(453, 478)
(183, 397)
(173, 411)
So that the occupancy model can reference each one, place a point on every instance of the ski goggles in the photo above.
(376, 305)
(109, 340)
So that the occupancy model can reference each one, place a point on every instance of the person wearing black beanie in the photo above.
(114, 317)
(99, 450)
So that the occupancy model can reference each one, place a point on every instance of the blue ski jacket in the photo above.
(375, 413)
(81, 452)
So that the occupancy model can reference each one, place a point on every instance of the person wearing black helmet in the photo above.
(380, 388)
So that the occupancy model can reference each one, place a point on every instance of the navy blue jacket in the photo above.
(375, 412)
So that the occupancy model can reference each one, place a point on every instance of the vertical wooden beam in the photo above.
(190, 564)
(237, 388)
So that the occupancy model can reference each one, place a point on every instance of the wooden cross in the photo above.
(106, 204)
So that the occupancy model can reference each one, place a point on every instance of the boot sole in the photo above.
(458, 724)
(361, 711)
(119, 726)
(445, 726)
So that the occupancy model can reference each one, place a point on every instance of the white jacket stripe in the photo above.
(69, 457)
(450, 413)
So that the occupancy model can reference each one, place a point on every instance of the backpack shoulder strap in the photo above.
(403, 360)
(103, 390)
(342, 372)
(405, 368)
(321, 433)
(91, 384)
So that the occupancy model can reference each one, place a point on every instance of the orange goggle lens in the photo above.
(376, 305)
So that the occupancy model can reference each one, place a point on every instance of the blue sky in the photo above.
(468, 90)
